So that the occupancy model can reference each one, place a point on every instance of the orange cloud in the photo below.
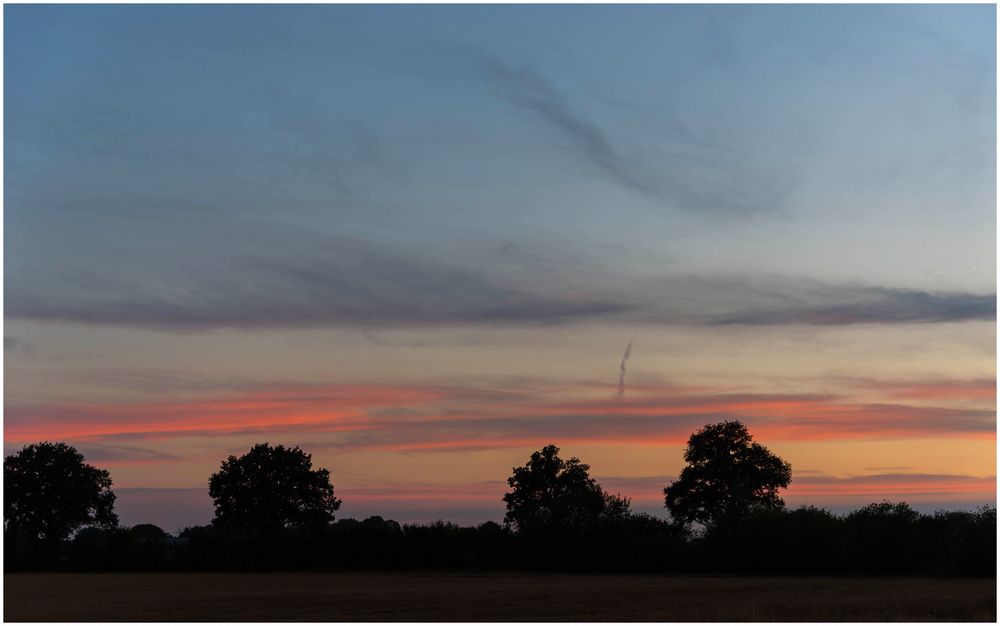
(984, 389)
(329, 406)
(390, 417)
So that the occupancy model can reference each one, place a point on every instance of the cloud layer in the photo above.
(337, 281)
(411, 418)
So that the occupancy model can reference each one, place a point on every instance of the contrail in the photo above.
(621, 375)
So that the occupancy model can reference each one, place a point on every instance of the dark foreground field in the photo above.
(488, 597)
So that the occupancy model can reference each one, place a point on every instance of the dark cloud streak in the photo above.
(876, 305)
(352, 283)
(692, 174)
(531, 91)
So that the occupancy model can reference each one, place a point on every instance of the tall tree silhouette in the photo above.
(271, 488)
(49, 492)
(550, 494)
(727, 475)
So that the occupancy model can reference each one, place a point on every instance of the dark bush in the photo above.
(881, 538)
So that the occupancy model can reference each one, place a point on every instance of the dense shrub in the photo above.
(881, 538)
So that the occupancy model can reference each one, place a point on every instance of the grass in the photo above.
(351, 596)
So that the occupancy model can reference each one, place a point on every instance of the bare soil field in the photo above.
(432, 596)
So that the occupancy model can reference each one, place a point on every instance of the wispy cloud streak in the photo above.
(621, 367)
(531, 91)
(695, 175)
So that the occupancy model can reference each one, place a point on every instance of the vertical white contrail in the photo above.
(621, 375)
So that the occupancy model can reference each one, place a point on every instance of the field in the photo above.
(348, 596)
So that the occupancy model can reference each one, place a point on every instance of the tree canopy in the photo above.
(727, 476)
(50, 492)
(550, 494)
(270, 488)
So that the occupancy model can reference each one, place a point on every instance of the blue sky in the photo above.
(223, 198)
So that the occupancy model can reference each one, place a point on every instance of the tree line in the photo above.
(273, 510)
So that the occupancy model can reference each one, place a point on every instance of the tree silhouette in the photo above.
(271, 488)
(49, 492)
(727, 476)
(550, 494)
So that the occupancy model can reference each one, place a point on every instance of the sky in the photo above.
(417, 240)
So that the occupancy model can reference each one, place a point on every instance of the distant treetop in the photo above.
(549, 494)
(270, 488)
(50, 492)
